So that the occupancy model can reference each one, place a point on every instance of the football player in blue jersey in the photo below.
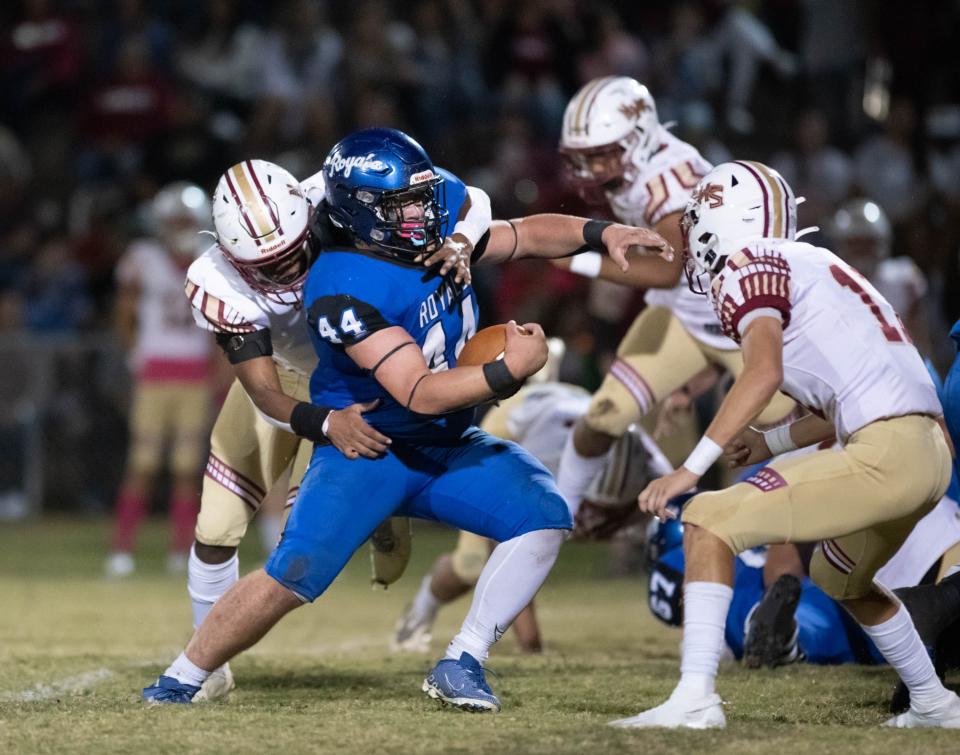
(387, 329)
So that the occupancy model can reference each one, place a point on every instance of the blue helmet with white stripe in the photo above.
(663, 537)
(382, 188)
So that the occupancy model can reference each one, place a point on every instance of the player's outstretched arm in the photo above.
(345, 429)
(393, 358)
(550, 236)
(645, 271)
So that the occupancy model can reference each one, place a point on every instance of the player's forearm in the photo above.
(260, 380)
(811, 430)
(645, 271)
(548, 236)
(446, 391)
(750, 394)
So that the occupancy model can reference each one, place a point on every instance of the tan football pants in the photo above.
(859, 502)
(168, 413)
(655, 358)
(247, 457)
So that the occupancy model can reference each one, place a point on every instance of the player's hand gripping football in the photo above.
(454, 253)
(619, 239)
(750, 448)
(526, 349)
(352, 436)
(654, 498)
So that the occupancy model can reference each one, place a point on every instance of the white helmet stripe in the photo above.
(578, 126)
(778, 198)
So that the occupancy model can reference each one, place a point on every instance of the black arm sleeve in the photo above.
(480, 248)
(240, 347)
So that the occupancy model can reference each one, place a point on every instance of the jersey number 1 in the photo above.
(890, 332)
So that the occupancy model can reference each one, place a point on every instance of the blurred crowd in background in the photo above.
(106, 101)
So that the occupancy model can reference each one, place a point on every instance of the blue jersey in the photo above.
(351, 293)
(826, 634)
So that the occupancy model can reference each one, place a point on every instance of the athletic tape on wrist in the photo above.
(587, 264)
(779, 440)
(703, 456)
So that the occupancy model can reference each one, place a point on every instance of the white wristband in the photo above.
(326, 424)
(587, 264)
(703, 456)
(472, 231)
(779, 441)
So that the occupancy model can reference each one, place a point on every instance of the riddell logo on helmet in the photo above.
(712, 193)
(421, 177)
(345, 165)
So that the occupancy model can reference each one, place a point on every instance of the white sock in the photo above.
(425, 604)
(705, 606)
(898, 642)
(207, 582)
(510, 579)
(270, 527)
(186, 672)
(575, 474)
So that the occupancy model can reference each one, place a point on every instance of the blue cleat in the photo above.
(168, 690)
(461, 683)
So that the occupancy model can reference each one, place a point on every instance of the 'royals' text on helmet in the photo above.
(382, 188)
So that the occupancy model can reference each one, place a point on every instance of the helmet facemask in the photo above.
(698, 269)
(407, 223)
(277, 275)
(594, 171)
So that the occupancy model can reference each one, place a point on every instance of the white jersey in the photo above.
(544, 416)
(900, 282)
(223, 302)
(661, 188)
(168, 345)
(541, 418)
(846, 355)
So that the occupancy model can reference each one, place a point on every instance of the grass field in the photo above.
(75, 651)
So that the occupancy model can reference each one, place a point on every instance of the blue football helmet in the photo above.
(663, 537)
(375, 177)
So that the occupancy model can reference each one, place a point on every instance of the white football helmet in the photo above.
(861, 228)
(610, 130)
(734, 203)
(262, 222)
(178, 212)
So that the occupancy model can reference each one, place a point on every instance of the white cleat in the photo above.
(119, 565)
(217, 686)
(679, 713)
(412, 634)
(947, 716)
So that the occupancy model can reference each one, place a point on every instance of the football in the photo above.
(485, 346)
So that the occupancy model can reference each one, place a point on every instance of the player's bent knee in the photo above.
(836, 581)
(214, 554)
(605, 421)
(698, 523)
(306, 567)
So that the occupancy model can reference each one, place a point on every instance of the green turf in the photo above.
(323, 681)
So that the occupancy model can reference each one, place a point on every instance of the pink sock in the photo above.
(128, 514)
(183, 521)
